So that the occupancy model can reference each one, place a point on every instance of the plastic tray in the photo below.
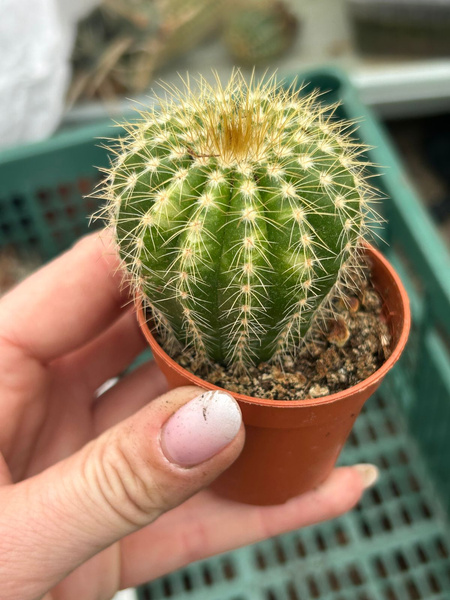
(396, 545)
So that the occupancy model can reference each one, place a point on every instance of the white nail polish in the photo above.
(201, 428)
(369, 474)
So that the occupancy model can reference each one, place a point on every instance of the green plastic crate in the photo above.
(396, 544)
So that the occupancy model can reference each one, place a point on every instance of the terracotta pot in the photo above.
(292, 446)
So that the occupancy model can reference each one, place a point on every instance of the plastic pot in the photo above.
(292, 446)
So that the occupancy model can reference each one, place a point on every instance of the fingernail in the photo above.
(201, 428)
(369, 474)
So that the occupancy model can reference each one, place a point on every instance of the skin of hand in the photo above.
(99, 493)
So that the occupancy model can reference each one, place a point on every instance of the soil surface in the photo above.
(354, 346)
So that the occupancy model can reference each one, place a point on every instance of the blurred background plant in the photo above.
(122, 44)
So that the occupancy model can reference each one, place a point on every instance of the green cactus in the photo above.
(239, 212)
(258, 31)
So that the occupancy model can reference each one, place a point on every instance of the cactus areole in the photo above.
(239, 211)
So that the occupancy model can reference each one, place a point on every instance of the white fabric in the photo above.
(36, 41)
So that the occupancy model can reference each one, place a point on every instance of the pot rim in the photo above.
(310, 402)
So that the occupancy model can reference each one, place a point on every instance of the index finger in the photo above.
(66, 303)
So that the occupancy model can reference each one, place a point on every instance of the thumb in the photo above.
(116, 484)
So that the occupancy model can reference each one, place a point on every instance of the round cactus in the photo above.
(259, 31)
(238, 212)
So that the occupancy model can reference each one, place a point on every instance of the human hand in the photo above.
(93, 494)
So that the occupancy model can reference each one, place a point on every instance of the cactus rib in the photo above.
(239, 211)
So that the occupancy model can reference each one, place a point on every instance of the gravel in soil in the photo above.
(355, 344)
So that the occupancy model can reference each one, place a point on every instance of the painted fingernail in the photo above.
(201, 428)
(369, 474)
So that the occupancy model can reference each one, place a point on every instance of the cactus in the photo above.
(121, 44)
(239, 211)
(259, 31)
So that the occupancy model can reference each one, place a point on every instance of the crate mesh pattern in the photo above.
(395, 545)
(64, 210)
(44, 190)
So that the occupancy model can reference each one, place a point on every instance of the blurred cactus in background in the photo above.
(239, 213)
(258, 31)
(121, 44)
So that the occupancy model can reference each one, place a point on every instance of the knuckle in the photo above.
(127, 485)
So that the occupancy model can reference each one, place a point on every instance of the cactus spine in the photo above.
(239, 212)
